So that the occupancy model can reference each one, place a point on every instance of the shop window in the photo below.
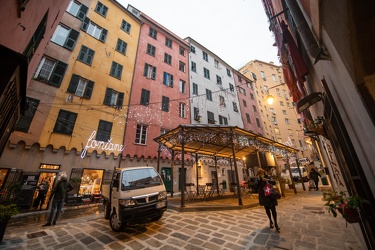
(91, 181)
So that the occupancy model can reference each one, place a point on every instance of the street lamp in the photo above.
(270, 98)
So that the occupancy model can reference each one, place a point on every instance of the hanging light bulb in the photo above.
(270, 99)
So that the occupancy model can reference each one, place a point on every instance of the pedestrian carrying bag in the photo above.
(271, 193)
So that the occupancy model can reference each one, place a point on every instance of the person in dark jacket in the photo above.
(314, 175)
(39, 201)
(58, 193)
(269, 204)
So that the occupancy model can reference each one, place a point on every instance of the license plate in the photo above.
(160, 204)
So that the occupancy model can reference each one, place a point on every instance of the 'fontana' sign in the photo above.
(94, 144)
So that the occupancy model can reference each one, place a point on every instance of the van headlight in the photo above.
(127, 203)
(162, 195)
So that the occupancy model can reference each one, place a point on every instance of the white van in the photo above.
(135, 194)
(304, 173)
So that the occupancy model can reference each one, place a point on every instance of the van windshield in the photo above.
(140, 178)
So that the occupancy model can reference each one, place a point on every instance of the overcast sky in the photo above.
(235, 30)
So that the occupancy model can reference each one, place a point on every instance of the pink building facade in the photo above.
(159, 98)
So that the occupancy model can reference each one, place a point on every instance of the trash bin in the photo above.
(324, 181)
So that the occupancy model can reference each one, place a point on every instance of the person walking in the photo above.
(314, 175)
(58, 193)
(268, 203)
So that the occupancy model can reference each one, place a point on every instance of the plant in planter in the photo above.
(6, 212)
(346, 205)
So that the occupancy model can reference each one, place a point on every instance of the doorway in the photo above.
(166, 175)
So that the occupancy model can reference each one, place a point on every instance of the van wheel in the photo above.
(107, 210)
(115, 223)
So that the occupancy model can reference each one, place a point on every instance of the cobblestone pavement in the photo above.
(304, 222)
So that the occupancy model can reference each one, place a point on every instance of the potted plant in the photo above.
(6, 212)
(346, 205)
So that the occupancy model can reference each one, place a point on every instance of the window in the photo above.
(101, 9)
(163, 131)
(113, 98)
(216, 63)
(248, 118)
(254, 76)
(206, 73)
(182, 110)
(195, 89)
(104, 131)
(151, 50)
(165, 104)
(167, 59)
(193, 67)
(181, 66)
(94, 30)
(223, 120)
(239, 79)
(168, 79)
(182, 51)
(272, 110)
(235, 108)
(205, 56)
(281, 103)
(273, 119)
(287, 121)
(290, 132)
(86, 55)
(199, 171)
(197, 117)
(262, 75)
(145, 97)
(121, 46)
(277, 131)
(192, 49)
(125, 26)
(77, 9)
(287, 104)
(242, 90)
(273, 77)
(153, 33)
(65, 37)
(244, 103)
(80, 86)
(222, 101)
(251, 96)
(278, 92)
(284, 112)
(208, 95)
(50, 71)
(34, 42)
(229, 73)
(254, 108)
(141, 134)
(231, 87)
(24, 121)
(210, 118)
(168, 42)
(182, 86)
(65, 122)
(258, 122)
(150, 71)
(218, 80)
(116, 70)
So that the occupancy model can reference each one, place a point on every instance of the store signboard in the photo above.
(94, 144)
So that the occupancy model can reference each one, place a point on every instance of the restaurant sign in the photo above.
(94, 144)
